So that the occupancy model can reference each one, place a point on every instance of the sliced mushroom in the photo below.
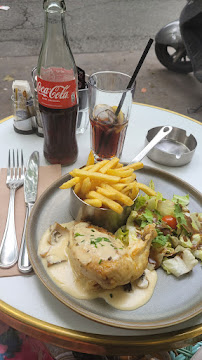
(58, 244)
(56, 232)
(143, 282)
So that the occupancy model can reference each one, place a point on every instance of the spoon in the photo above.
(165, 130)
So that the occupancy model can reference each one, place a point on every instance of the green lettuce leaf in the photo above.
(160, 239)
(196, 221)
(152, 202)
(197, 254)
(179, 214)
(183, 200)
(140, 202)
(122, 234)
(180, 265)
(166, 207)
(148, 215)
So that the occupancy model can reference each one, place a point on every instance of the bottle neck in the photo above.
(55, 59)
(55, 29)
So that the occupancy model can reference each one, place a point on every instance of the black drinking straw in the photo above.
(145, 52)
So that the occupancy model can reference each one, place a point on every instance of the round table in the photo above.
(28, 306)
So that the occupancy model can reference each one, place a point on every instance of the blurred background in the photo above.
(103, 35)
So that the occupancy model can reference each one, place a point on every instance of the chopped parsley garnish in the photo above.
(77, 234)
(93, 243)
(92, 230)
(100, 261)
(99, 240)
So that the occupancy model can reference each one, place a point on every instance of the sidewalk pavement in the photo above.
(155, 84)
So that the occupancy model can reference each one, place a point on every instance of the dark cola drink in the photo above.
(60, 145)
(107, 139)
(107, 132)
(57, 88)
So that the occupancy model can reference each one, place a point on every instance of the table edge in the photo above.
(6, 118)
(95, 343)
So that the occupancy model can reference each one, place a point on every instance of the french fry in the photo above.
(118, 166)
(99, 165)
(122, 174)
(105, 201)
(118, 186)
(85, 187)
(68, 184)
(77, 188)
(91, 159)
(134, 192)
(109, 194)
(147, 190)
(128, 179)
(89, 167)
(109, 165)
(107, 183)
(134, 166)
(95, 176)
(129, 187)
(94, 184)
(115, 194)
(93, 202)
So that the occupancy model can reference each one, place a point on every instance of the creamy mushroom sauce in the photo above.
(64, 277)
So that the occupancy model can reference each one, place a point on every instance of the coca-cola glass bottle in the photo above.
(57, 88)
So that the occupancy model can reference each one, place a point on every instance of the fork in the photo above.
(14, 180)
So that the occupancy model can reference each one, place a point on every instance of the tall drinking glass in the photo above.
(107, 90)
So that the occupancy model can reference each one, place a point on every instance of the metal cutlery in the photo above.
(30, 194)
(14, 180)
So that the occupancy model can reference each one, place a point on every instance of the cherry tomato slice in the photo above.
(170, 220)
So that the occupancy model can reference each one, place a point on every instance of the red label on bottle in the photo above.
(56, 95)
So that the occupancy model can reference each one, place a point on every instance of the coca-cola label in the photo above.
(56, 95)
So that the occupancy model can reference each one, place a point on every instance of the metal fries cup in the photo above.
(106, 218)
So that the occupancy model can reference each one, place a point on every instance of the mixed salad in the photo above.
(178, 243)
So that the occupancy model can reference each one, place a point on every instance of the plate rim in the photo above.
(77, 308)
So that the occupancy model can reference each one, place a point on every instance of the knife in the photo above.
(30, 194)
